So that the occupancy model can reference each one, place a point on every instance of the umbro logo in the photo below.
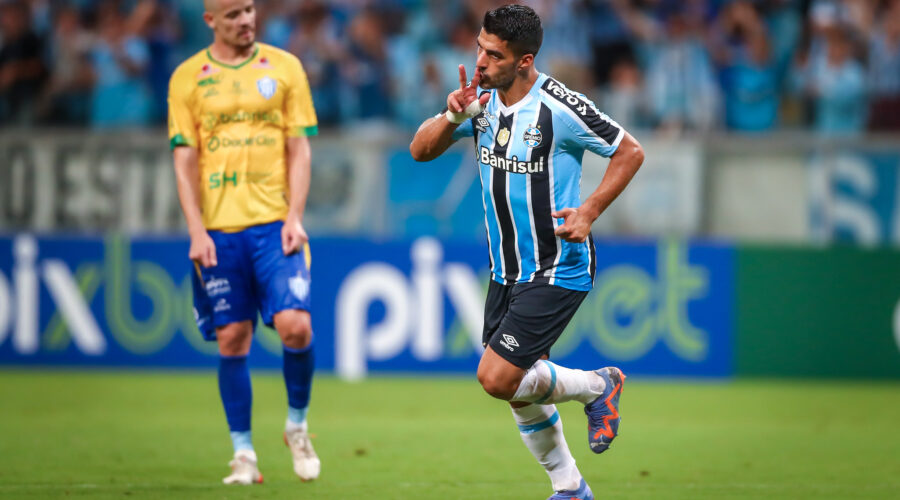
(509, 342)
(482, 124)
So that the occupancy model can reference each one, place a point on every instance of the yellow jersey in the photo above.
(238, 118)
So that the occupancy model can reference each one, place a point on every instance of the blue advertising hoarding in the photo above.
(658, 308)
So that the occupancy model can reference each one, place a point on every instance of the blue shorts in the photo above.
(253, 276)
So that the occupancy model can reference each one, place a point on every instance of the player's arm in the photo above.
(183, 139)
(435, 135)
(299, 158)
(300, 123)
(623, 164)
(187, 178)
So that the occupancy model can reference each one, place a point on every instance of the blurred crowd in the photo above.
(673, 66)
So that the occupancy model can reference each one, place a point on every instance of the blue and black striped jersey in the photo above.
(529, 157)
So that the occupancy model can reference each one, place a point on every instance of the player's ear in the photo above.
(525, 62)
(209, 19)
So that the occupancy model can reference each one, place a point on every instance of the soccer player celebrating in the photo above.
(240, 113)
(530, 135)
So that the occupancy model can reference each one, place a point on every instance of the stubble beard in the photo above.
(503, 85)
(245, 46)
(241, 45)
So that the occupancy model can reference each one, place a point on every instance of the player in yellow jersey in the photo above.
(240, 113)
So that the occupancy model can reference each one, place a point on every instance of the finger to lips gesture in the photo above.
(467, 92)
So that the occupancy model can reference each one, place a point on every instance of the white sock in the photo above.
(291, 426)
(542, 431)
(546, 383)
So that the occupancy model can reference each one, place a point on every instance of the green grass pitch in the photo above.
(67, 434)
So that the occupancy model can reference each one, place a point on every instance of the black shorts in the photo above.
(522, 321)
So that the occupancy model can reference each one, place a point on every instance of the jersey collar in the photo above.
(233, 66)
(503, 109)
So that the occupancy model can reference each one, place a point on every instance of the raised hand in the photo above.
(467, 92)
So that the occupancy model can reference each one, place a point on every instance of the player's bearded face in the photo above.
(236, 22)
(496, 62)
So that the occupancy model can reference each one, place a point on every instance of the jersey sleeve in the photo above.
(182, 126)
(590, 129)
(465, 129)
(299, 114)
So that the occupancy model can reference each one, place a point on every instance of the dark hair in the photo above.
(517, 25)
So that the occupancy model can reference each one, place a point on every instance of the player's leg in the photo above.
(237, 399)
(234, 381)
(540, 313)
(548, 383)
(511, 367)
(599, 390)
(283, 285)
(542, 432)
(539, 425)
(295, 330)
(294, 327)
(225, 309)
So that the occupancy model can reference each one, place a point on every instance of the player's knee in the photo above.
(495, 385)
(234, 344)
(296, 332)
(297, 338)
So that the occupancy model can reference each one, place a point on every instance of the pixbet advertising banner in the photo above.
(658, 308)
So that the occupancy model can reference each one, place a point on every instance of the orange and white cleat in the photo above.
(306, 462)
(244, 469)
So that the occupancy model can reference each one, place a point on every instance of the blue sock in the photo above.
(297, 415)
(237, 398)
(298, 372)
(241, 441)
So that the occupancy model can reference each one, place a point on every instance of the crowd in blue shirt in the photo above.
(747, 66)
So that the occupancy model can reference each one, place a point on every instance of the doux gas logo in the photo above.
(214, 143)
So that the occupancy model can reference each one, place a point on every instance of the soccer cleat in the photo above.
(244, 469)
(582, 493)
(306, 462)
(603, 412)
